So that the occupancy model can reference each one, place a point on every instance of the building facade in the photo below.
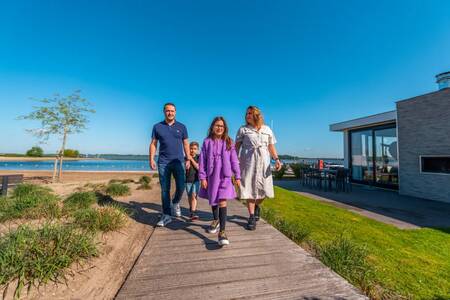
(407, 149)
(424, 145)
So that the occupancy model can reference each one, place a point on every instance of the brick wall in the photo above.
(424, 129)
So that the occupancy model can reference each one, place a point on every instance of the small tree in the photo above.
(35, 152)
(60, 116)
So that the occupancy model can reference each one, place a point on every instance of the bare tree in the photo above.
(60, 116)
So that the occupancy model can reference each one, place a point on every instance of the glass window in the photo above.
(436, 164)
(361, 149)
(386, 160)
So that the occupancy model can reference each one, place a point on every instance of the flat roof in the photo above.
(378, 119)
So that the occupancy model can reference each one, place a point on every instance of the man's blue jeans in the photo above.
(166, 170)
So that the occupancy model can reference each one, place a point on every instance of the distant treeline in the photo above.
(117, 156)
(291, 157)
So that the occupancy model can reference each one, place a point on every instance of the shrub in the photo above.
(79, 200)
(145, 183)
(106, 218)
(28, 189)
(71, 153)
(297, 168)
(347, 259)
(128, 180)
(86, 218)
(35, 152)
(117, 189)
(94, 187)
(145, 179)
(279, 174)
(292, 230)
(111, 217)
(155, 175)
(31, 202)
(37, 256)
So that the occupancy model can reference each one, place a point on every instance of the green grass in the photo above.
(105, 218)
(37, 256)
(127, 180)
(92, 187)
(117, 189)
(79, 200)
(29, 201)
(145, 183)
(401, 263)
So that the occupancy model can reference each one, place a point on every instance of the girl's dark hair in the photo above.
(225, 136)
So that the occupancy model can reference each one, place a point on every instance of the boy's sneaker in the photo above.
(257, 212)
(251, 225)
(194, 216)
(177, 210)
(223, 240)
(165, 219)
(214, 227)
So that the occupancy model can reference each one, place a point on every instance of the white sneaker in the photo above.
(214, 227)
(177, 210)
(165, 219)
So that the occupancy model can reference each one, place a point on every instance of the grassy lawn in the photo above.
(404, 263)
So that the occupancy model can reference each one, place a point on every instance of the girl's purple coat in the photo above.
(217, 165)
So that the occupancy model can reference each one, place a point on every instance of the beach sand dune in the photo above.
(101, 277)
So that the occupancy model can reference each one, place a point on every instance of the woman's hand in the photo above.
(238, 182)
(278, 165)
(204, 184)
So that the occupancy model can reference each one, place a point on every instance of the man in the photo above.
(173, 159)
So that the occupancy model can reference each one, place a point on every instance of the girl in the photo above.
(256, 143)
(218, 163)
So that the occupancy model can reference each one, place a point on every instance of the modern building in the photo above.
(407, 149)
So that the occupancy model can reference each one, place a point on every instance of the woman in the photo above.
(255, 144)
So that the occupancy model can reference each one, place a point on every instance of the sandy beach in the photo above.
(46, 158)
(100, 277)
(75, 177)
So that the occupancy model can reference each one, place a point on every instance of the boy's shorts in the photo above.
(192, 187)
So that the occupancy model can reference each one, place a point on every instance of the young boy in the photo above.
(192, 182)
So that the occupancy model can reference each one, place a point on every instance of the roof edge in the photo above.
(385, 117)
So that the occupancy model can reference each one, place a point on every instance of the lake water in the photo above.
(104, 165)
(79, 165)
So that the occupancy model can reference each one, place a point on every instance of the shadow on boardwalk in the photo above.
(183, 261)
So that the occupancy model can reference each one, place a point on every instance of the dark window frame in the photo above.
(421, 165)
(372, 129)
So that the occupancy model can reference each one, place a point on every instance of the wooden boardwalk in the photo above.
(183, 261)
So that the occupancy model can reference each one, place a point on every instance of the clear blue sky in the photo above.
(305, 63)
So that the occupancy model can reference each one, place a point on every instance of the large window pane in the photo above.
(386, 159)
(361, 149)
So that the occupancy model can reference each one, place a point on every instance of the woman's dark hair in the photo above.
(225, 136)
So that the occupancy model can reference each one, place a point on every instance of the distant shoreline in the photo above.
(46, 158)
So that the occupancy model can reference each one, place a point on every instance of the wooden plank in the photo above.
(184, 261)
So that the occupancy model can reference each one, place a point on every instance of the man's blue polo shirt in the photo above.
(170, 138)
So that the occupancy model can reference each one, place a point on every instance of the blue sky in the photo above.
(306, 64)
